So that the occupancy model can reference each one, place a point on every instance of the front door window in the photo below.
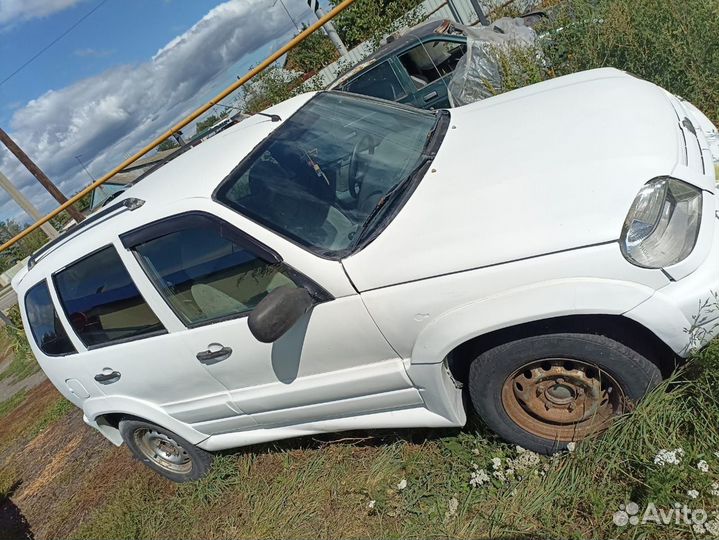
(205, 270)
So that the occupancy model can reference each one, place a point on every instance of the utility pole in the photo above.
(328, 27)
(41, 176)
(26, 205)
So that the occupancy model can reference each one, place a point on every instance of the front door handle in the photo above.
(431, 95)
(108, 378)
(213, 356)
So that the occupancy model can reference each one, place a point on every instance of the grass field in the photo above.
(68, 482)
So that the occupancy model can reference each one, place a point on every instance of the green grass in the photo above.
(11, 403)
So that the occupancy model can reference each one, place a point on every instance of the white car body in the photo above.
(513, 224)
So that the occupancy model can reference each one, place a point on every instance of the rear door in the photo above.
(124, 349)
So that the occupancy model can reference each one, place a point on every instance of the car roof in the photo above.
(419, 32)
(195, 173)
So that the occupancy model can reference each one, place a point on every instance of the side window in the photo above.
(45, 326)
(380, 81)
(102, 302)
(205, 271)
(431, 60)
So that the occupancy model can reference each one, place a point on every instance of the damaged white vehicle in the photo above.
(343, 262)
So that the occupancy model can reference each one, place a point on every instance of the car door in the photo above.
(429, 66)
(333, 362)
(124, 350)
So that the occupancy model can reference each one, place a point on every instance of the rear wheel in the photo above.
(165, 452)
(545, 391)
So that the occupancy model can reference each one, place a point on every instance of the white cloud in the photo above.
(111, 115)
(93, 53)
(22, 10)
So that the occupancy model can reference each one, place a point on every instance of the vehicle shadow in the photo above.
(12, 522)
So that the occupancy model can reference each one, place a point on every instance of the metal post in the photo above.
(480, 12)
(328, 28)
(26, 205)
(455, 12)
(41, 176)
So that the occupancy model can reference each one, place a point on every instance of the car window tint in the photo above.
(45, 326)
(380, 81)
(431, 60)
(101, 301)
(205, 275)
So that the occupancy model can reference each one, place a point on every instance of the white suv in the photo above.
(342, 262)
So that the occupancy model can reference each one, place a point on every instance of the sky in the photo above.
(121, 73)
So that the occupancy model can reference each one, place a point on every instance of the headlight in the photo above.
(663, 223)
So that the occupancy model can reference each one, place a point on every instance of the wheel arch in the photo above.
(617, 327)
(105, 415)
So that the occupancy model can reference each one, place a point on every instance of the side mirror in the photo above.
(278, 312)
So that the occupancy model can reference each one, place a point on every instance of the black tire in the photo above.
(177, 459)
(495, 379)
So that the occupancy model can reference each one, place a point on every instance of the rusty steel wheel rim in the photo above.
(562, 399)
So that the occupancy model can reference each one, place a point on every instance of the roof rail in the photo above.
(130, 204)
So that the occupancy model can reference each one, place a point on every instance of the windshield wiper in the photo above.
(385, 199)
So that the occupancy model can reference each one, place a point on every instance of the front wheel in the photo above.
(165, 452)
(544, 392)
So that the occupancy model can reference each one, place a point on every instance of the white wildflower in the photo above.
(715, 489)
(520, 450)
(499, 475)
(402, 484)
(712, 527)
(513, 492)
(371, 504)
(496, 463)
(716, 454)
(669, 457)
(698, 528)
(478, 477)
(571, 446)
(703, 466)
(452, 507)
(693, 493)
(475, 451)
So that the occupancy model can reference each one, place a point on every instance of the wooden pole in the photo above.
(26, 205)
(37, 173)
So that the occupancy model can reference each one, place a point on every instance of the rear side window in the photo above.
(45, 326)
(380, 81)
(101, 301)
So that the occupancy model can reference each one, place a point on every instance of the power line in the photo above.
(46, 47)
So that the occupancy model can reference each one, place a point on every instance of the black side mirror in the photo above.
(278, 312)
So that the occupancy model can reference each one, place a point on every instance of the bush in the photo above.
(672, 43)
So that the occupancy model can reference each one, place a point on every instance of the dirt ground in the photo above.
(45, 471)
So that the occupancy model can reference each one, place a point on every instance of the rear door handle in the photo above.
(212, 357)
(431, 95)
(108, 378)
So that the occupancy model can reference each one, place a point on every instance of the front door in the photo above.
(334, 362)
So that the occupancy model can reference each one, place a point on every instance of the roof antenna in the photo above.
(273, 117)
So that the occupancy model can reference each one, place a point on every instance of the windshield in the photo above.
(319, 177)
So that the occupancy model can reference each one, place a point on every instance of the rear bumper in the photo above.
(685, 313)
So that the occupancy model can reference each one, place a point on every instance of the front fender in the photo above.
(525, 304)
(94, 408)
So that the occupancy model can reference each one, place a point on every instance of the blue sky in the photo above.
(121, 77)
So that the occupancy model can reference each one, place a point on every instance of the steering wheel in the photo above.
(358, 166)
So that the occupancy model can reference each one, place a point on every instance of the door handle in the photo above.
(212, 357)
(108, 378)
(431, 95)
